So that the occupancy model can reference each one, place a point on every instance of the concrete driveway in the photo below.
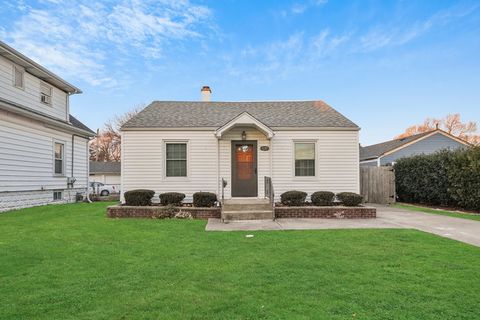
(464, 230)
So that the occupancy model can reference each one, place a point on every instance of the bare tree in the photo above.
(452, 124)
(106, 146)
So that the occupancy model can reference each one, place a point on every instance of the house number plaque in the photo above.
(264, 148)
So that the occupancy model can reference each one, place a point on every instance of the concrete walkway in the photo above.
(464, 230)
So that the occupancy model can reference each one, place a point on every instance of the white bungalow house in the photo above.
(185, 146)
(43, 149)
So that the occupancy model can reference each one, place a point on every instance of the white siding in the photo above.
(111, 179)
(26, 159)
(29, 96)
(143, 162)
(337, 161)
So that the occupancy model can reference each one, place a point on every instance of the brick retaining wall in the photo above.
(326, 212)
(160, 212)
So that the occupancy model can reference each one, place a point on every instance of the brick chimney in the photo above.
(206, 93)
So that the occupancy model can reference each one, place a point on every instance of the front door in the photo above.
(244, 169)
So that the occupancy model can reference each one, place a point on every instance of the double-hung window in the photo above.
(59, 158)
(18, 74)
(304, 159)
(45, 93)
(176, 159)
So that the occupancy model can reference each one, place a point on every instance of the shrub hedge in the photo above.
(173, 198)
(349, 199)
(139, 197)
(293, 198)
(204, 199)
(442, 178)
(322, 198)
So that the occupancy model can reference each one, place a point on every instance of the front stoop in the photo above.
(247, 209)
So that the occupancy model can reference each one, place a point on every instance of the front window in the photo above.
(59, 155)
(176, 159)
(304, 159)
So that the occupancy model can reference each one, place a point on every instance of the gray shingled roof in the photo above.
(77, 124)
(105, 167)
(376, 150)
(175, 114)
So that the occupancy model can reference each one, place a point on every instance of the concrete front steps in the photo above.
(247, 209)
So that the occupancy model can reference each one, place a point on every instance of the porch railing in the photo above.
(269, 192)
(224, 184)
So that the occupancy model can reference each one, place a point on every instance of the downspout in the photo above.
(87, 195)
(218, 167)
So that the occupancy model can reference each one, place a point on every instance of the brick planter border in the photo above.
(119, 211)
(338, 212)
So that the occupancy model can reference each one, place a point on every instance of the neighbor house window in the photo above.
(18, 77)
(45, 93)
(176, 159)
(59, 157)
(304, 159)
(57, 195)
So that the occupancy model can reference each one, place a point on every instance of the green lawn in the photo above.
(70, 262)
(441, 212)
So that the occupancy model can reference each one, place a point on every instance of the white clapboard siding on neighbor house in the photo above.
(26, 156)
(143, 163)
(29, 96)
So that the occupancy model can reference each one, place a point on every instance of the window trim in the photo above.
(315, 158)
(22, 71)
(63, 174)
(164, 159)
(42, 83)
(61, 195)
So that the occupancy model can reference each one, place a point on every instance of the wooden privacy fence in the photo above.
(377, 184)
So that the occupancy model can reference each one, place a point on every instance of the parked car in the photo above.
(102, 189)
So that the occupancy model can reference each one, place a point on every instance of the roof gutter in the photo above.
(49, 122)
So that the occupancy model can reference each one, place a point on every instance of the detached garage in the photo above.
(106, 173)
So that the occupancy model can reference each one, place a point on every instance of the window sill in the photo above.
(176, 178)
(305, 177)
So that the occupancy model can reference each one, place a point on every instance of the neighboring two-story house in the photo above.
(43, 149)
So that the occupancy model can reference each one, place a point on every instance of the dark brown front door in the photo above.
(244, 169)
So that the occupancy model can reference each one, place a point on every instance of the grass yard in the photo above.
(441, 212)
(71, 262)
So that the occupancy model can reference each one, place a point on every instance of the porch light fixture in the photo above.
(244, 135)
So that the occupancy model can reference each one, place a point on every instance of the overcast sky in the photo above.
(384, 64)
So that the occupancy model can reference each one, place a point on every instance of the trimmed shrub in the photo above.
(139, 197)
(424, 178)
(322, 198)
(173, 198)
(293, 198)
(464, 178)
(350, 199)
(204, 199)
(450, 178)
